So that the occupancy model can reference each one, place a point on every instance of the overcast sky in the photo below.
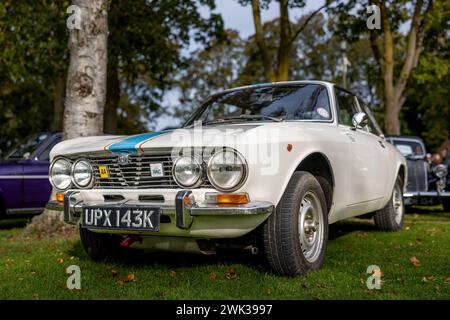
(238, 18)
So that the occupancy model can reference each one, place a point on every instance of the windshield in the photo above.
(266, 103)
(409, 148)
(28, 147)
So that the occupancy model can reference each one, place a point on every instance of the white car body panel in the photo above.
(364, 166)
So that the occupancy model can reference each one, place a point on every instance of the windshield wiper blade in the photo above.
(245, 117)
(260, 116)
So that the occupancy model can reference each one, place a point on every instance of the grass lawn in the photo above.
(35, 268)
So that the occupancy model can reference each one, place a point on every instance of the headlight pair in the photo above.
(226, 170)
(63, 174)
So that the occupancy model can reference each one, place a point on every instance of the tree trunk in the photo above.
(58, 104)
(285, 46)
(394, 90)
(259, 36)
(86, 81)
(112, 97)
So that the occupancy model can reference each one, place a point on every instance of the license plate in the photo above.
(134, 218)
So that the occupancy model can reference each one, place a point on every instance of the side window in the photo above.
(45, 155)
(346, 107)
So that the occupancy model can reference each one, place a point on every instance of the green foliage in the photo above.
(210, 70)
(34, 53)
(146, 43)
(427, 106)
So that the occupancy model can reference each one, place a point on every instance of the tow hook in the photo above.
(129, 240)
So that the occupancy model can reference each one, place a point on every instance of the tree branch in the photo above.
(307, 21)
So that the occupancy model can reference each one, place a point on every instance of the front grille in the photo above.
(136, 174)
(417, 175)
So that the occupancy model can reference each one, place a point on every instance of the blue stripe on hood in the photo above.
(130, 144)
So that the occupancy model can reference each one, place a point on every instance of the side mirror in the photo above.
(360, 120)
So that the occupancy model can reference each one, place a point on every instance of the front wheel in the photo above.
(99, 246)
(390, 218)
(295, 236)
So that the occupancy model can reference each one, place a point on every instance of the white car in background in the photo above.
(267, 167)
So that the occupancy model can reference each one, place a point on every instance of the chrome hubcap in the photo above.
(397, 199)
(310, 227)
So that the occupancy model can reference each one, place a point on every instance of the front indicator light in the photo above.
(227, 198)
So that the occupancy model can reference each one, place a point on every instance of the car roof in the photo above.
(399, 137)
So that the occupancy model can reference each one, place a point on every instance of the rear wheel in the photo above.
(100, 246)
(390, 218)
(295, 236)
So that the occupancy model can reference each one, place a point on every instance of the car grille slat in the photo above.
(136, 174)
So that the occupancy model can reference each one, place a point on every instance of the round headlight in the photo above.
(440, 170)
(60, 174)
(227, 170)
(187, 172)
(82, 173)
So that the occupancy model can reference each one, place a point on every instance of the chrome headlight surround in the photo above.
(440, 171)
(64, 166)
(194, 178)
(213, 170)
(87, 170)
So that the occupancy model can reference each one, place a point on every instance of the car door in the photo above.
(37, 188)
(367, 181)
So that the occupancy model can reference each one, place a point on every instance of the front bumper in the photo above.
(424, 197)
(196, 219)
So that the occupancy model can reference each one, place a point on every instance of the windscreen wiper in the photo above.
(245, 117)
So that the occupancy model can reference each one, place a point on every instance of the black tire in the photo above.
(388, 218)
(100, 247)
(446, 205)
(280, 232)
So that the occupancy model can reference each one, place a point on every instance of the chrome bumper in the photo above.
(424, 197)
(183, 213)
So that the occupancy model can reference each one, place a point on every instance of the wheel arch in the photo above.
(401, 172)
(319, 166)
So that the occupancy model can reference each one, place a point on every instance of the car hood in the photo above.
(230, 135)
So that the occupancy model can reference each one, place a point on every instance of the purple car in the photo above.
(24, 184)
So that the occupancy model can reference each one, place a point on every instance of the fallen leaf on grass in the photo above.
(415, 261)
(418, 241)
(114, 272)
(129, 278)
(173, 273)
(60, 260)
(231, 274)
(447, 280)
(213, 276)
(378, 273)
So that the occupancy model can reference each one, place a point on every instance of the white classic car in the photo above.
(267, 167)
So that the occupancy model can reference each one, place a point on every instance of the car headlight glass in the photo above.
(187, 172)
(82, 173)
(227, 170)
(60, 174)
(440, 171)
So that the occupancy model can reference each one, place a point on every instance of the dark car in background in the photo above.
(428, 183)
(24, 184)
